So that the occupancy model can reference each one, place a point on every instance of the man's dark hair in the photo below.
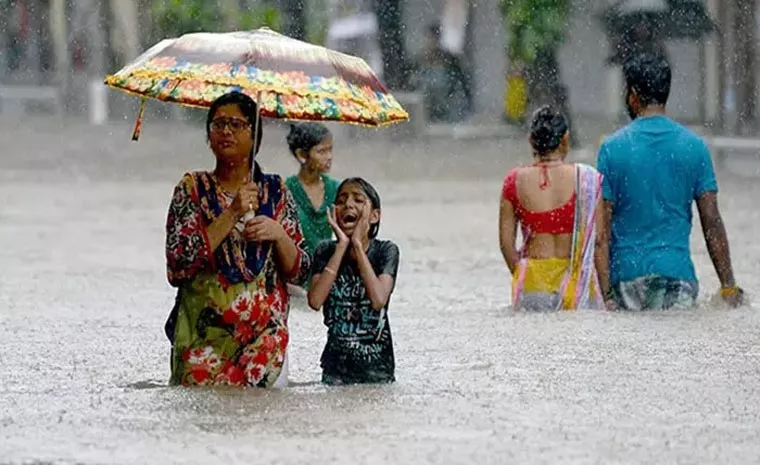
(648, 75)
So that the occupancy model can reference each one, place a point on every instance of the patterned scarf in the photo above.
(234, 263)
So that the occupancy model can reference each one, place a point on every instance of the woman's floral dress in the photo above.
(229, 324)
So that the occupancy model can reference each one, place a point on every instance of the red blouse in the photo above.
(559, 220)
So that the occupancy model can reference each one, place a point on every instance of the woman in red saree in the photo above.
(231, 268)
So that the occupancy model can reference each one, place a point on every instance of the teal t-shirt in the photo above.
(654, 169)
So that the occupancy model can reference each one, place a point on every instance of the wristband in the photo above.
(730, 291)
(330, 270)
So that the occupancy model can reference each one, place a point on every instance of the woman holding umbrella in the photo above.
(231, 268)
(229, 324)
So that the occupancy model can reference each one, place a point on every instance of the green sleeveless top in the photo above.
(314, 223)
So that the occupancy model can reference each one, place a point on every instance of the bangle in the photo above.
(330, 270)
(730, 291)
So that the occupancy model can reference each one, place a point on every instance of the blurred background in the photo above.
(83, 291)
(478, 64)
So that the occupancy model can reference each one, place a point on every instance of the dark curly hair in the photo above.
(547, 128)
(305, 136)
(249, 109)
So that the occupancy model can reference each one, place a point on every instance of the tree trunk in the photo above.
(125, 35)
(97, 39)
(59, 33)
(229, 13)
(294, 12)
(545, 86)
(390, 25)
(745, 65)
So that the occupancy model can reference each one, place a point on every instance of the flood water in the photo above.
(84, 297)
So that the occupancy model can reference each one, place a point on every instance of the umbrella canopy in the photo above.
(667, 19)
(290, 79)
(688, 19)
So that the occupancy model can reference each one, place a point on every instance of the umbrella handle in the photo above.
(240, 225)
(138, 121)
(249, 215)
(256, 124)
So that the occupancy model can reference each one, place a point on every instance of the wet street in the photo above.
(85, 362)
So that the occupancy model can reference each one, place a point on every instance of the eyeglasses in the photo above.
(234, 124)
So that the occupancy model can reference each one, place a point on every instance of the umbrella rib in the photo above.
(177, 82)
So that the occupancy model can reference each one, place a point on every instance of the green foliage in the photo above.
(532, 25)
(318, 16)
(260, 16)
(172, 18)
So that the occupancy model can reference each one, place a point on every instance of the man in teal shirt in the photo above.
(654, 168)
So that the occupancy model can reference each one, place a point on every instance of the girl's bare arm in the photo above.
(378, 288)
(322, 282)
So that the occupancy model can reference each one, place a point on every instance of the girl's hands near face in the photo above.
(339, 234)
(361, 230)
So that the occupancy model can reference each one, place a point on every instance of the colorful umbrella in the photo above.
(288, 78)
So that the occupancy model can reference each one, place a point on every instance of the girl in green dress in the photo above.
(313, 190)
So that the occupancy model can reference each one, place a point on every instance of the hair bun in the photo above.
(547, 128)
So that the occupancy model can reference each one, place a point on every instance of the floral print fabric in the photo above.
(232, 305)
(295, 79)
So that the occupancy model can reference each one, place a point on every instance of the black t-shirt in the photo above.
(359, 346)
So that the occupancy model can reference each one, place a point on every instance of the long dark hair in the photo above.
(372, 195)
(249, 109)
(547, 128)
(305, 136)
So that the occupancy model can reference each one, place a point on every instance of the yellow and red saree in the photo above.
(565, 283)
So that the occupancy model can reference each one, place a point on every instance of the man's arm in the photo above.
(716, 238)
(604, 226)
(706, 195)
(602, 249)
